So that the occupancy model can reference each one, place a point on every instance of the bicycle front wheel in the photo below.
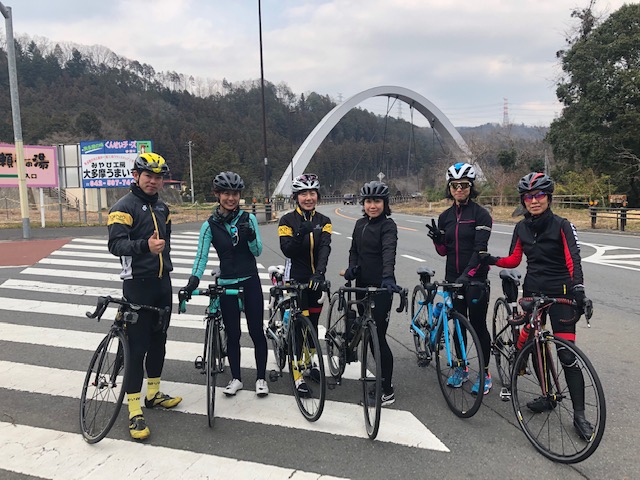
(371, 376)
(459, 364)
(336, 338)
(104, 386)
(214, 361)
(420, 317)
(545, 405)
(307, 368)
(503, 336)
(274, 332)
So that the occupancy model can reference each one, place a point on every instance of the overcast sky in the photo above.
(465, 56)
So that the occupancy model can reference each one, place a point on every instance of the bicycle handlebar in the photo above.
(212, 291)
(404, 294)
(103, 303)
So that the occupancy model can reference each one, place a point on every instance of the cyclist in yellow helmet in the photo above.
(140, 234)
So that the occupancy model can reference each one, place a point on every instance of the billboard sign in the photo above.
(109, 163)
(41, 166)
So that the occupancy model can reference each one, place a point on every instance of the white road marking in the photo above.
(339, 418)
(413, 258)
(53, 454)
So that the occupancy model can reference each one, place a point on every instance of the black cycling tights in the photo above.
(253, 310)
(474, 306)
(146, 338)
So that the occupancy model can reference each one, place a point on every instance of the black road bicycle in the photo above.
(346, 331)
(534, 376)
(104, 384)
(211, 363)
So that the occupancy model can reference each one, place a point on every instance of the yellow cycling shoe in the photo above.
(162, 400)
(138, 428)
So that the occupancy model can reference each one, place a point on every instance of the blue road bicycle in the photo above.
(441, 333)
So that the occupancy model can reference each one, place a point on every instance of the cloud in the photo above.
(466, 56)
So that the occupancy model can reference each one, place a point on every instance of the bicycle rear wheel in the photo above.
(459, 368)
(212, 368)
(548, 420)
(503, 336)
(419, 308)
(371, 376)
(336, 338)
(104, 386)
(307, 367)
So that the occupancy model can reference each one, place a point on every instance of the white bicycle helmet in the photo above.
(460, 171)
(306, 181)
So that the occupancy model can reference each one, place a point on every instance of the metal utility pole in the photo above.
(264, 113)
(191, 172)
(17, 123)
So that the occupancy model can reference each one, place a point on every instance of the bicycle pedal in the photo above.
(505, 394)
(273, 376)
(199, 363)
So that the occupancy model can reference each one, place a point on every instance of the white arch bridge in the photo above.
(436, 118)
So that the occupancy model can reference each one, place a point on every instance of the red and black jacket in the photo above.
(551, 246)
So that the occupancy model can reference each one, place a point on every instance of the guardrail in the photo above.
(621, 215)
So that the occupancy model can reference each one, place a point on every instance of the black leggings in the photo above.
(253, 310)
(474, 306)
(146, 338)
(381, 316)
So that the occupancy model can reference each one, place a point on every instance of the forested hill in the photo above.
(67, 96)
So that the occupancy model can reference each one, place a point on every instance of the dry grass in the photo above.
(503, 214)
(10, 218)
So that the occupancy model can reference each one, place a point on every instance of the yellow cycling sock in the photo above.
(133, 399)
(153, 387)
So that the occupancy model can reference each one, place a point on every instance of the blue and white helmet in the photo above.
(460, 171)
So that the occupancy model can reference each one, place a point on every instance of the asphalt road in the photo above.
(263, 436)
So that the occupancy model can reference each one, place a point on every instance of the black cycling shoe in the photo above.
(541, 404)
(583, 427)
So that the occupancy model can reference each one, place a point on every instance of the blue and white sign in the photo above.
(109, 163)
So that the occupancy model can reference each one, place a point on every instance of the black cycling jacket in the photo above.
(132, 221)
(373, 248)
(306, 254)
(551, 245)
(467, 229)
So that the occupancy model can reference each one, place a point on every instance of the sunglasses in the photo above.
(528, 197)
(462, 185)
(234, 235)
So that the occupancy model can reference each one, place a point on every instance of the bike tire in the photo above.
(305, 356)
(371, 377)
(212, 366)
(504, 340)
(336, 338)
(460, 399)
(103, 389)
(421, 344)
(274, 334)
(551, 431)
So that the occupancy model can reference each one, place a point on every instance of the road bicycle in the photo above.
(346, 331)
(104, 383)
(211, 363)
(293, 336)
(533, 365)
(442, 333)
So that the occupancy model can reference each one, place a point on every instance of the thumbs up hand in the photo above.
(156, 245)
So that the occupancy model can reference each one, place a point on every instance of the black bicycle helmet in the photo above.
(374, 189)
(535, 181)
(151, 162)
(228, 181)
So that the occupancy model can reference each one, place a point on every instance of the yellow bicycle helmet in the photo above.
(151, 162)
